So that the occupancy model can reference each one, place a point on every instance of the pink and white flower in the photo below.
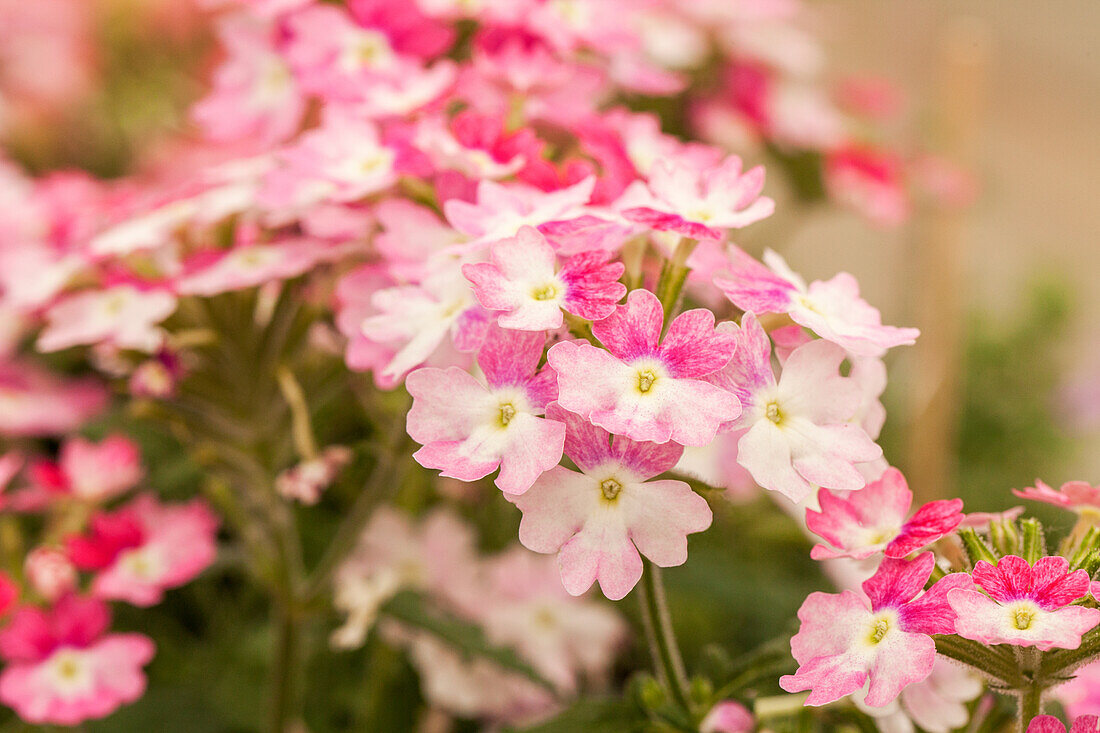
(469, 429)
(64, 669)
(602, 520)
(523, 280)
(50, 572)
(800, 432)
(1077, 496)
(1025, 605)
(122, 316)
(832, 308)
(698, 202)
(145, 548)
(846, 640)
(645, 387)
(872, 520)
(501, 211)
(306, 481)
(100, 471)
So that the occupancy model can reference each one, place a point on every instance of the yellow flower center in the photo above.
(772, 412)
(646, 378)
(507, 412)
(610, 488)
(878, 630)
(549, 291)
(1023, 618)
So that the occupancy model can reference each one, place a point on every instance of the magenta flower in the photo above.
(844, 641)
(698, 202)
(832, 309)
(63, 669)
(1025, 605)
(1051, 724)
(643, 387)
(469, 429)
(800, 431)
(522, 280)
(873, 520)
(146, 548)
(1077, 496)
(599, 520)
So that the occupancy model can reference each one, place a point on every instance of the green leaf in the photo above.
(466, 638)
(593, 715)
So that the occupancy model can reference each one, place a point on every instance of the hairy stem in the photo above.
(1031, 705)
(662, 641)
(284, 690)
(673, 276)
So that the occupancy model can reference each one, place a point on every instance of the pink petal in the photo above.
(601, 551)
(660, 515)
(554, 508)
(535, 446)
(897, 582)
(447, 404)
(692, 349)
(632, 330)
(510, 357)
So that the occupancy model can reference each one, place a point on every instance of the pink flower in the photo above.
(469, 429)
(501, 211)
(305, 481)
(1081, 695)
(35, 402)
(100, 471)
(1025, 605)
(122, 316)
(800, 432)
(643, 387)
(249, 265)
(146, 548)
(342, 160)
(523, 281)
(869, 181)
(50, 572)
(844, 642)
(255, 97)
(1077, 496)
(728, 717)
(938, 703)
(698, 202)
(832, 309)
(62, 669)
(873, 520)
(1051, 724)
(599, 520)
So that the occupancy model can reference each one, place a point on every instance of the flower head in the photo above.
(1077, 496)
(600, 519)
(469, 429)
(1025, 605)
(644, 387)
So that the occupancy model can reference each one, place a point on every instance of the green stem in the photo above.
(1031, 705)
(988, 660)
(662, 640)
(673, 276)
(284, 691)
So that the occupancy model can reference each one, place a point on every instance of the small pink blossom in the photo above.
(145, 548)
(1025, 605)
(469, 429)
(1077, 496)
(122, 316)
(250, 265)
(523, 280)
(62, 667)
(599, 520)
(728, 717)
(35, 402)
(832, 308)
(845, 642)
(50, 572)
(307, 480)
(501, 210)
(872, 520)
(100, 471)
(696, 202)
(645, 387)
(799, 429)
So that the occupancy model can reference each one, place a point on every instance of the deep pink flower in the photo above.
(844, 641)
(800, 430)
(1051, 724)
(832, 308)
(873, 520)
(869, 181)
(1025, 605)
(698, 202)
(469, 429)
(1077, 496)
(599, 520)
(645, 387)
(146, 548)
(63, 669)
(523, 281)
